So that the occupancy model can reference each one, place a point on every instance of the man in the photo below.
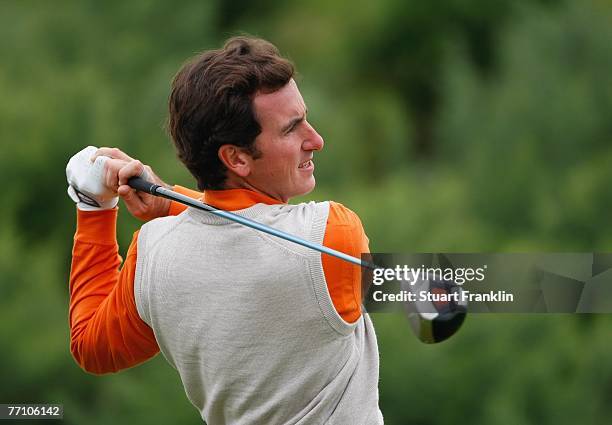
(261, 331)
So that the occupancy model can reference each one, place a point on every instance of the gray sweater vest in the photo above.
(247, 321)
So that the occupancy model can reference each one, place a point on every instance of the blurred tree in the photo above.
(534, 141)
(408, 50)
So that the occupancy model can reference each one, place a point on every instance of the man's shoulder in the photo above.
(302, 206)
(301, 211)
(339, 214)
(162, 222)
(345, 231)
(157, 228)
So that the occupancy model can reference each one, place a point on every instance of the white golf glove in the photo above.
(86, 182)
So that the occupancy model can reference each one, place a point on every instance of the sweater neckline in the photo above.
(236, 199)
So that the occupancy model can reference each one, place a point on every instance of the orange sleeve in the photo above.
(106, 332)
(176, 207)
(344, 232)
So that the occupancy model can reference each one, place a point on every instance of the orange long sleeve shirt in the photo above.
(106, 332)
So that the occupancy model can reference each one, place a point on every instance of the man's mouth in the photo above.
(306, 164)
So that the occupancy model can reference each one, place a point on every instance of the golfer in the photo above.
(260, 330)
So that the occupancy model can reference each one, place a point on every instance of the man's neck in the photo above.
(231, 183)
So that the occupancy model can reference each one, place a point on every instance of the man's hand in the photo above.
(85, 185)
(118, 169)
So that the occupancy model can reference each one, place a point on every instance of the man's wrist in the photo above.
(108, 206)
(97, 226)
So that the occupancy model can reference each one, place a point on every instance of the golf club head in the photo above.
(434, 321)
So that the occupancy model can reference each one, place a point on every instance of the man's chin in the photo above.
(311, 186)
(307, 189)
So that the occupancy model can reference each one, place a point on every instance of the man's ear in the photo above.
(235, 160)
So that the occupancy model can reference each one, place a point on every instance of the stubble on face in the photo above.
(279, 171)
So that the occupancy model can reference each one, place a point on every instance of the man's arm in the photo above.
(344, 232)
(106, 332)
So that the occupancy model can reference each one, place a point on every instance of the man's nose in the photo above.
(313, 140)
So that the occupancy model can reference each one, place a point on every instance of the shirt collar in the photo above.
(236, 199)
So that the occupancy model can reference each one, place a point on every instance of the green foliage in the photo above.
(449, 126)
(534, 140)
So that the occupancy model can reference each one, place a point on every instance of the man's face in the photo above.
(287, 143)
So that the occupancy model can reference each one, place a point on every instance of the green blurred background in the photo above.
(450, 125)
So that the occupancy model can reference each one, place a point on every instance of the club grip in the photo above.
(142, 185)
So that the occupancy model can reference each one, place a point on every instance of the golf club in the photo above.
(428, 327)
